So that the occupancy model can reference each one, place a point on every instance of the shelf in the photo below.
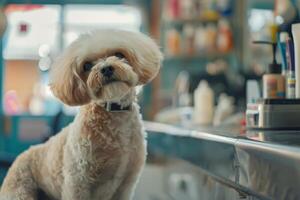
(200, 20)
(197, 56)
(177, 22)
(64, 2)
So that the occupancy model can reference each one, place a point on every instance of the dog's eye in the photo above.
(119, 55)
(87, 66)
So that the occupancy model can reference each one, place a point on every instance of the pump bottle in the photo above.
(273, 80)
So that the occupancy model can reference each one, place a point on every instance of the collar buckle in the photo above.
(116, 107)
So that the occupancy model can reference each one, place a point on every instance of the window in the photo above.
(29, 28)
(79, 19)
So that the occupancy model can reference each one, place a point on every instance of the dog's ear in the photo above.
(148, 60)
(65, 82)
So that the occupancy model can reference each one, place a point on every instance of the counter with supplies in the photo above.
(257, 164)
(254, 165)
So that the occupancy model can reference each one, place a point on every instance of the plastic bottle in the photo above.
(204, 104)
(224, 109)
(225, 39)
(189, 37)
(187, 9)
(211, 37)
(174, 9)
(273, 80)
(200, 38)
(296, 37)
(282, 47)
(181, 97)
(291, 80)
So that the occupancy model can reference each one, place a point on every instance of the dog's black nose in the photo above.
(107, 71)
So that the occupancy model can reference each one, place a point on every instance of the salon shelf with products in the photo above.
(191, 41)
(195, 37)
(192, 27)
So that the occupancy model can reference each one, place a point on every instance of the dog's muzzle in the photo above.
(107, 71)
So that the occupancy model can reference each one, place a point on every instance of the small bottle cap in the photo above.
(274, 68)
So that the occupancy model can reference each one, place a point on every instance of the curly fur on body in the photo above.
(100, 155)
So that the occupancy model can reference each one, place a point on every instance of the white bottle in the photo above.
(224, 109)
(296, 37)
(204, 104)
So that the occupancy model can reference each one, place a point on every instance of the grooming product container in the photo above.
(296, 37)
(273, 80)
(290, 76)
(273, 114)
(204, 104)
(282, 47)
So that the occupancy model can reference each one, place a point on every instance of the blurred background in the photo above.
(203, 41)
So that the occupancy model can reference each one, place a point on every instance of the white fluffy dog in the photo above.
(100, 155)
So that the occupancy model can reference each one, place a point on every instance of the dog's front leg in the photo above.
(19, 183)
(74, 189)
(128, 185)
(75, 185)
(126, 190)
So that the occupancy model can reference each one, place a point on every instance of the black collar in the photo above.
(116, 107)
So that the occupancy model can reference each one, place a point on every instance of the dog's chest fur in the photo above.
(105, 148)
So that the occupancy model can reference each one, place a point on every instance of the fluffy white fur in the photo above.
(100, 155)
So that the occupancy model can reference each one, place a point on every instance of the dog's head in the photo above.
(104, 65)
